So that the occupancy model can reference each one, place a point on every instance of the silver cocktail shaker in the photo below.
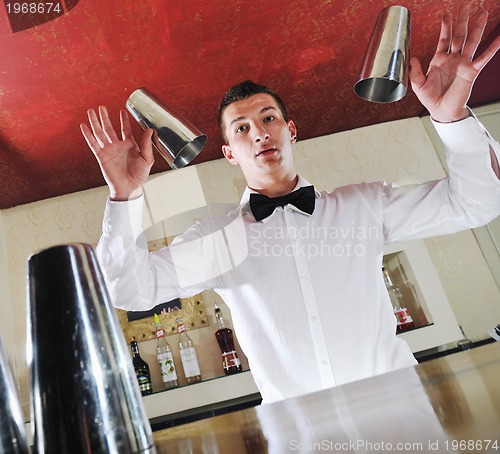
(84, 392)
(384, 72)
(12, 433)
(177, 140)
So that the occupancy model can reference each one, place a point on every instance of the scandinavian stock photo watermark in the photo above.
(221, 244)
(365, 446)
(310, 241)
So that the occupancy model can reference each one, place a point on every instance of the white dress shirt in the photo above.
(306, 292)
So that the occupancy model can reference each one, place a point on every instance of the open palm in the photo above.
(446, 87)
(124, 163)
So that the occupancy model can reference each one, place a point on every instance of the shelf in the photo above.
(436, 352)
(433, 316)
(416, 328)
(200, 394)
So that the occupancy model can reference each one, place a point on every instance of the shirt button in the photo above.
(314, 319)
(305, 278)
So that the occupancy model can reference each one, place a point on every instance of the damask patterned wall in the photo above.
(400, 152)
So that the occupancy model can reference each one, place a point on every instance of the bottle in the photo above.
(188, 354)
(404, 320)
(141, 369)
(464, 344)
(412, 300)
(224, 336)
(165, 358)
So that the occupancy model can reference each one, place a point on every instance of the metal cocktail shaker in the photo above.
(84, 392)
(384, 72)
(12, 433)
(176, 139)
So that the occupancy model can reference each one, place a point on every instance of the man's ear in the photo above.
(293, 131)
(228, 154)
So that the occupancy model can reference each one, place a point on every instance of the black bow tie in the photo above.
(263, 206)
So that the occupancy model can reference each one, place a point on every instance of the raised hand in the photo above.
(125, 164)
(446, 87)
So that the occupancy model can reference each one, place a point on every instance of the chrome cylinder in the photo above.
(384, 72)
(84, 393)
(12, 433)
(176, 139)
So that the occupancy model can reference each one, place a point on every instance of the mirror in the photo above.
(192, 311)
(141, 324)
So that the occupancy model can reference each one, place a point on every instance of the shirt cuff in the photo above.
(123, 218)
(466, 136)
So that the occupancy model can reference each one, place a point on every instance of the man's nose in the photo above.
(261, 135)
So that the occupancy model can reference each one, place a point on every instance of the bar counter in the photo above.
(450, 404)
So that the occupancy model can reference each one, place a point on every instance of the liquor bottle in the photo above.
(165, 358)
(141, 369)
(412, 300)
(403, 317)
(188, 354)
(224, 336)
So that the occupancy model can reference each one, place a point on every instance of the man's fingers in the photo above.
(89, 138)
(445, 35)
(107, 127)
(480, 62)
(417, 77)
(146, 146)
(125, 125)
(475, 35)
(96, 127)
(460, 30)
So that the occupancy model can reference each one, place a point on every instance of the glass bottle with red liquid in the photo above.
(404, 320)
(224, 336)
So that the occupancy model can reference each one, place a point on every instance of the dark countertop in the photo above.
(441, 405)
(205, 411)
(437, 352)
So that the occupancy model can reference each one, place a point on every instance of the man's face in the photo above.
(259, 138)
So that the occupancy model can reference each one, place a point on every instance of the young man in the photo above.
(294, 299)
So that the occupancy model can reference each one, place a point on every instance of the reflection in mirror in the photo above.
(446, 396)
(140, 324)
(192, 312)
(162, 308)
(402, 275)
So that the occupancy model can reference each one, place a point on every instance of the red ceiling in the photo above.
(188, 53)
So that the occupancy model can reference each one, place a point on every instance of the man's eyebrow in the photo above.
(264, 109)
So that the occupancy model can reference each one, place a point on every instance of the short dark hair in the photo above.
(244, 90)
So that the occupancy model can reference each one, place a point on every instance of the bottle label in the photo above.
(181, 328)
(144, 380)
(167, 367)
(403, 316)
(230, 359)
(190, 362)
(160, 333)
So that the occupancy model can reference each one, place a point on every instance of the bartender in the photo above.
(308, 303)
